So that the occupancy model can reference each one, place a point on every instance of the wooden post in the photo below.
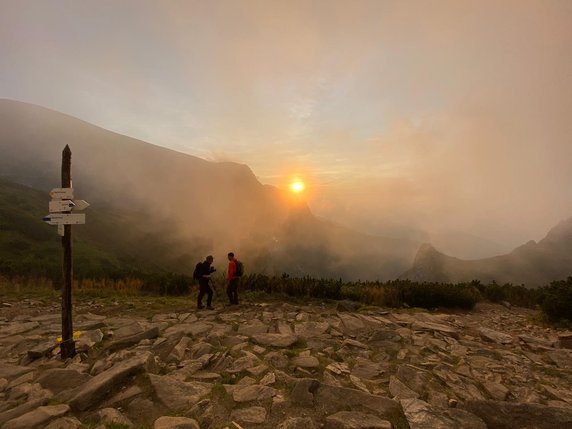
(68, 346)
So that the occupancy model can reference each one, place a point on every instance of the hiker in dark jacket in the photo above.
(204, 271)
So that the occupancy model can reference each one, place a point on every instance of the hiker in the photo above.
(233, 277)
(202, 273)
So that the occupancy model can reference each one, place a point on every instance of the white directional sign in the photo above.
(58, 206)
(62, 193)
(80, 205)
(65, 218)
(61, 207)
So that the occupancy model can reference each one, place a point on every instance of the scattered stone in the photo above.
(167, 422)
(110, 416)
(297, 423)
(275, 340)
(306, 362)
(254, 392)
(59, 379)
(355, 420)
(252, 415)
(65, 423)
(89, 394)
(496, 390)
(495, 336)
(303, 392)
(40, 416)
(400, 390)
(508, 415)
(178, 395)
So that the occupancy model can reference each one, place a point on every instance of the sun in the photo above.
(297, 186)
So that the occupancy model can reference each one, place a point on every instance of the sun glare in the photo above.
(297, 186)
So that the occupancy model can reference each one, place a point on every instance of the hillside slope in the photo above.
(532, 264)
(182, 207)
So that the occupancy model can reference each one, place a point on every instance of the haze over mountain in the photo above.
(532, 264)
(197, 207)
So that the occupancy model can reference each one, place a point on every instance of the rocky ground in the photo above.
(283, 366)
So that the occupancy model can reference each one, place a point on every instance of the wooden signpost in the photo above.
(61, 206)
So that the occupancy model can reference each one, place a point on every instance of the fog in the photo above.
(439, 121)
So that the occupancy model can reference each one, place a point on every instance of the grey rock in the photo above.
(167, 422)
(400, 390)
(38, 417)
(565, 340)
(496, 390)
(96, 389)
(420, 415)
(297, 423)
(495, 336)
(562, 358)
(275, 340)
(178, 395)
(355, 420)
(252, 415)
(20, 410)
(113, 416)
(509, 415)
(59, 379)
(332, 398)
(438, 327)
(254, 392)
(306, 362)
(11, 372)
(303, 392)
(65, 423)
(17, 328)
(127, 341)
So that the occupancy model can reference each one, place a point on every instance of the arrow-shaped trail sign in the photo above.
(65, 218)
(62, 206)
(80, 205)
(62, 193)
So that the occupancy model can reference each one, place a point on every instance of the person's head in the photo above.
(210, 259)
(230, 256)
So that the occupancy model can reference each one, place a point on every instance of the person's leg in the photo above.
(200, 297)
(235, 291)
(209, 297)
(229, 292)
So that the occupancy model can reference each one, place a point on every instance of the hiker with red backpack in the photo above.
(235, 271)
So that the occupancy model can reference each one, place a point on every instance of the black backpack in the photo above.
(197, 272)
(239, 269)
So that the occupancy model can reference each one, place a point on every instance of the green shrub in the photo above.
(557, 302)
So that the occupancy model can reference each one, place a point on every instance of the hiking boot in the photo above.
(200, 307)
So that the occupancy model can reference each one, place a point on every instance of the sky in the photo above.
(437, 120)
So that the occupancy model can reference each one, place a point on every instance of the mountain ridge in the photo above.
(217, 206)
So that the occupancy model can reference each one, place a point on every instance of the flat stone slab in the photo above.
(334, 398)
(11, 372)
(91, 393)
(168, 422)
(17, 328)
(254, 392)
(252, 415)
(178, 395)
(495, 336)
(59, 379)
(275, 340)
(355, 420)
(38, 417)
(510, 415)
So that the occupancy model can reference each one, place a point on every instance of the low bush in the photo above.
(557, 302)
